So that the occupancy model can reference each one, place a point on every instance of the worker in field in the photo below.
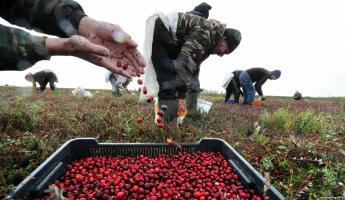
(118, 83)
(42, 78)
(256, 76)
(233, 87)
(180, 42)
(297, 96)
(194, 89)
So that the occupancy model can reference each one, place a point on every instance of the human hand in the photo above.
(183, 76)
(124, 57)
(77, 46)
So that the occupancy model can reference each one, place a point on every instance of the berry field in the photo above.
(300, 145)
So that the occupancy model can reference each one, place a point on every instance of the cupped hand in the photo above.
(124, 57)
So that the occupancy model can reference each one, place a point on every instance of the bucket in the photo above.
(256, 103)
(230, 101)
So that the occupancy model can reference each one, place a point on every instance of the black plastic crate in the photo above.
(54, 167)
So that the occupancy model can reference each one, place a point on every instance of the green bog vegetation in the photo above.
(300, 143)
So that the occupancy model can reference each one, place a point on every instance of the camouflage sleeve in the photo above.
(54, 17)
(19, 49)
(196, 43)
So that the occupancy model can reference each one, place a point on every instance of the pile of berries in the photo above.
(197, 175)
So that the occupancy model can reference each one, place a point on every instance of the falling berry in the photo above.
(160, 113)
(159, 120)
(152, 97)
(169, 141)
(145, 90)
(140, 81)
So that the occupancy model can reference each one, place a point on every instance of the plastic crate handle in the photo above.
(43, 184)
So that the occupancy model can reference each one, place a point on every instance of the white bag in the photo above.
(227, 80)
(81, 92)
(150, 78)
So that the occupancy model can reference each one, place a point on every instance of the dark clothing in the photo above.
(193, 92)
(44, 77)
(20, 50)
(201, 10)
(234, 87)
(197, 37)
(297, 96)
(175, 61)
(259, 76)
(164, 53)
(194, 89)
(236, 78)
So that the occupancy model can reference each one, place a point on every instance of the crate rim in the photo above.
(68, 142)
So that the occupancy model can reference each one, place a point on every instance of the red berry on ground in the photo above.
(140, 119)
(161, 125)
(159, 120)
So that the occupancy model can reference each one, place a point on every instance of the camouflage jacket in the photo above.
(197, 37)
(20, 50)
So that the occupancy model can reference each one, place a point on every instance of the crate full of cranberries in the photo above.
(82, 168)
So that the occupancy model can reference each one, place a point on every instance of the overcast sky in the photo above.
(305, 39)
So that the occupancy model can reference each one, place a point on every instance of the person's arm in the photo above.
(200, 36)
(227, 94)
(65, 18)
(258, 84)
(19, 49)
(235, 85)
(194, 48)
(54, 17)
